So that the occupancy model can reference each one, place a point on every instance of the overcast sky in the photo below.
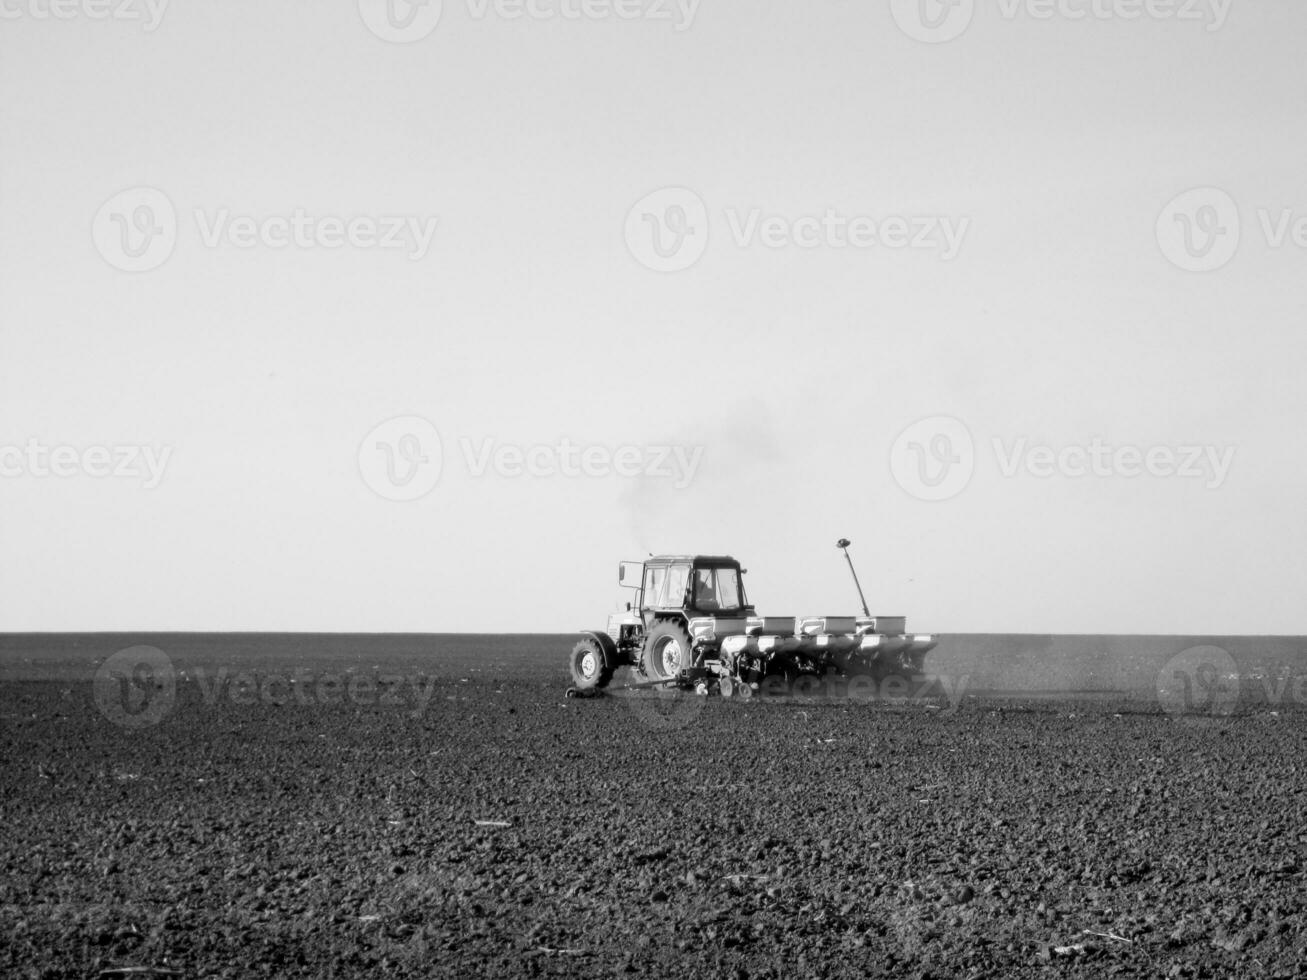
(348, 317)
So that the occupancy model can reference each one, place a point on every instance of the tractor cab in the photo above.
(690, 586)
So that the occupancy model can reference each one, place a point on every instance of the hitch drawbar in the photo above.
(727, 688)
(596, 692)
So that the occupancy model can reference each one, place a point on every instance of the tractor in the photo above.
(690, 625)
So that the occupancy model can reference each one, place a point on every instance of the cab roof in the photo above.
(702, 561)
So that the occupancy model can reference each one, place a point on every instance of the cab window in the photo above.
(678, 577)
(654, 580)
(664, 586)
(716, 588)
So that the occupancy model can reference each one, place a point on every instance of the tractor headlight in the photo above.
(703, 629)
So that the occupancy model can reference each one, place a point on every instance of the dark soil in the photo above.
(333, 835)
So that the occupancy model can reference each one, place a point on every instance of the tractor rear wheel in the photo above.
(589, 670)
(666, 651)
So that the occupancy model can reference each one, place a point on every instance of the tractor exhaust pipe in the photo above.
(843, 545)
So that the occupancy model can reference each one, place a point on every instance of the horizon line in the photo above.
(309, 632)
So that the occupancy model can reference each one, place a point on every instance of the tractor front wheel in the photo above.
(666, 651)
(588, 667)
